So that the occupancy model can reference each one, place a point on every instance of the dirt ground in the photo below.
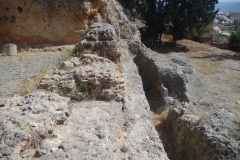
(21, 73)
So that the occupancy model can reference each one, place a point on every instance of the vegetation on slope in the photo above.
(235, 40)
(177, 17)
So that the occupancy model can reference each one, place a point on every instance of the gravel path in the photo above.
(14, 70)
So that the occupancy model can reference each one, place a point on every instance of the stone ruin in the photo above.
(89, 74)
(101, 39)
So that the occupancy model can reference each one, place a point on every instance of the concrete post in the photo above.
(10, 49)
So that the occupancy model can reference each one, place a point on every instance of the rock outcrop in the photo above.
(108, 113)
(44, 22)
(166, 81)
(26, 122)
(44, 125)
(32, 22)
(198, 124)
(212, 136)
(101, 39)
(90, 76)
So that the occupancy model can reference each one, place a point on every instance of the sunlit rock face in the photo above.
(48, 22)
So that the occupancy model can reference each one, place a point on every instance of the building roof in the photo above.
(219, 26)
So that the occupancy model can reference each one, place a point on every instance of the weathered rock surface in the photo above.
(114, 121)
(44, 125)
(214, 136)
(157, 74)
(125, 28)
(223, 128)
(101, 39)
(89, 75)
(137, 109)
(194, 127)
(17, 118)
(91, 130)
(44, 22)
(57, 22)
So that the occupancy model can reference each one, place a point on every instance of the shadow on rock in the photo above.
(166, 47)
(222, 57)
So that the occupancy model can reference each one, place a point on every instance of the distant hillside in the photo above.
(228, 6)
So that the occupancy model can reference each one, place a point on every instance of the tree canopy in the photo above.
(221, 20)
(177, 16)
(235, 40)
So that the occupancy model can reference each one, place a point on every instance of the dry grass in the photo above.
(47, 48)
(75, 94)
(190, 42)
(24, 51)
(159, 120)
(206, 66)
(167, 38)
(23, 57)
(67, 55)
(237, 114)
(34, 140)
(201, 116)
(29, 84)
(185, 46)
(195, 48)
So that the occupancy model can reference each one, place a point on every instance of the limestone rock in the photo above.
(140, 130)
(27, 153)
(44, 149)
(2, 103)
(55, 156)
(59, 22)
(122, 22)
(159, 74)
(100, 39)
(44, 22)
(6, 151)
(194, 116)
(26, 132)
(60, 118)
(66, 146)
(222, 128)
(91, 76)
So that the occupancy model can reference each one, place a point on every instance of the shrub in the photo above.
(73, 52)
(235, 40)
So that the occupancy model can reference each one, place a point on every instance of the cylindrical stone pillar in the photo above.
(10, 49)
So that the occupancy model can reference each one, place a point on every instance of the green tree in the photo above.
(235, 40)
(205, 13)
(151, 17)
(221, 20)
(132, 5)
(163, 17)
(179, 17)
(153, 11)
(185, 15)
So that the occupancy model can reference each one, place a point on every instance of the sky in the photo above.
(229, 0)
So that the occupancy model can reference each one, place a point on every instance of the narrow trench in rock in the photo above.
(160, 113)
(182, 136)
